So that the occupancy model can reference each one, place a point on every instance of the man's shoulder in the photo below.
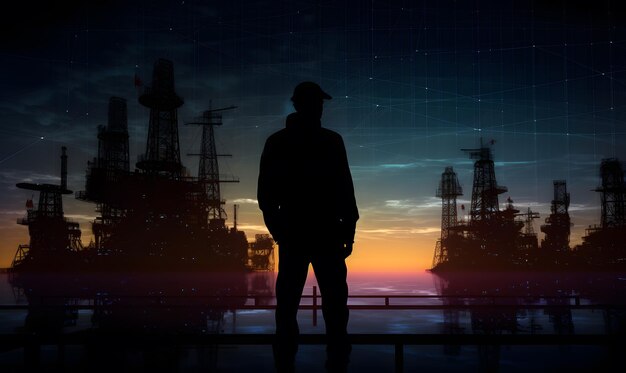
(277, 136)
(331, 134)
(287, 135)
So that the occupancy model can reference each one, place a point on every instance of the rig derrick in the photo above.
(604, 246)
(486, 226)
(107, 175)
(492, 238)
(226, 245)
(54, 240)
(528, 243)
(555, 246)
(449, 189)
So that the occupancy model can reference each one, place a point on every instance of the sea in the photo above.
(240, 303)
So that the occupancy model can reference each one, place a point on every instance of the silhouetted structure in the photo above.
(557, 228)
(485, 190)
(605, 245)
(208, 168)
(261, 253)
(156, 217)
(612, 192)
(495, 232)
(106, 172)
(162, 149)
(449, 189)
(492, 239)
(527, 241)
(54, 240)
(305, 186)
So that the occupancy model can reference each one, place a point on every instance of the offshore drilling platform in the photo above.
(504, 239)
(53, 238)
(155, 218)
(605, 245)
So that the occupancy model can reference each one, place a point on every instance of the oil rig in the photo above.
(555, 247)
(156, 217)
(504, 239)
(491, 238)
(54, 240)
(604, 246)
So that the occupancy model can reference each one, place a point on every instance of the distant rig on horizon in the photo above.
(495, 239)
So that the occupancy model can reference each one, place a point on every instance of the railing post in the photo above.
(386, 301)
(32, 354)
(399, 357)
(314, 305)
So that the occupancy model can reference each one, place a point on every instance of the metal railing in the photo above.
(261, 301)
(32, 342)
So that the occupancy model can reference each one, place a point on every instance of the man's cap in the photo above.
(309, 90)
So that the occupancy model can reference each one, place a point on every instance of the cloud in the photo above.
(513, 163)
(422, 230)
(81, 217)
(13, 177)
(582, 207)
(246, 201)
(13, 212)
(401, 165)
(397, 232)
(410, 204)
(425, 230)
(252, 227)
(435, 165)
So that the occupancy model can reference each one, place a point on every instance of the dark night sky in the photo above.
(412, 83)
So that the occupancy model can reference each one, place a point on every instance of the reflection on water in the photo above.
(136, 304)
(196, 304)
(172, 303)
(511, 302)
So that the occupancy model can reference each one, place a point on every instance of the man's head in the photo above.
(308, 99)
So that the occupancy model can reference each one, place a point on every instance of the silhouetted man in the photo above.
(306, 194)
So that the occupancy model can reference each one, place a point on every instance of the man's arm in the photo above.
(349, 212)
(266, 191)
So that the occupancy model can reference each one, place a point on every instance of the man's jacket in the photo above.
(305, 188)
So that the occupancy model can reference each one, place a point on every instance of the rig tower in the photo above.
(557, 227)
(113, 150)
(106, 173)
(491, 238)
(162, 155)
(485, 190)
(449, 189)
(208, 169)
(604, 246)
(52, 236)
(613, 190)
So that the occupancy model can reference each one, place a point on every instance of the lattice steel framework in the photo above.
(613, 191)
(208, 167)
(558, 224)
(449, 189)
(485, 189)
(162, 150)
